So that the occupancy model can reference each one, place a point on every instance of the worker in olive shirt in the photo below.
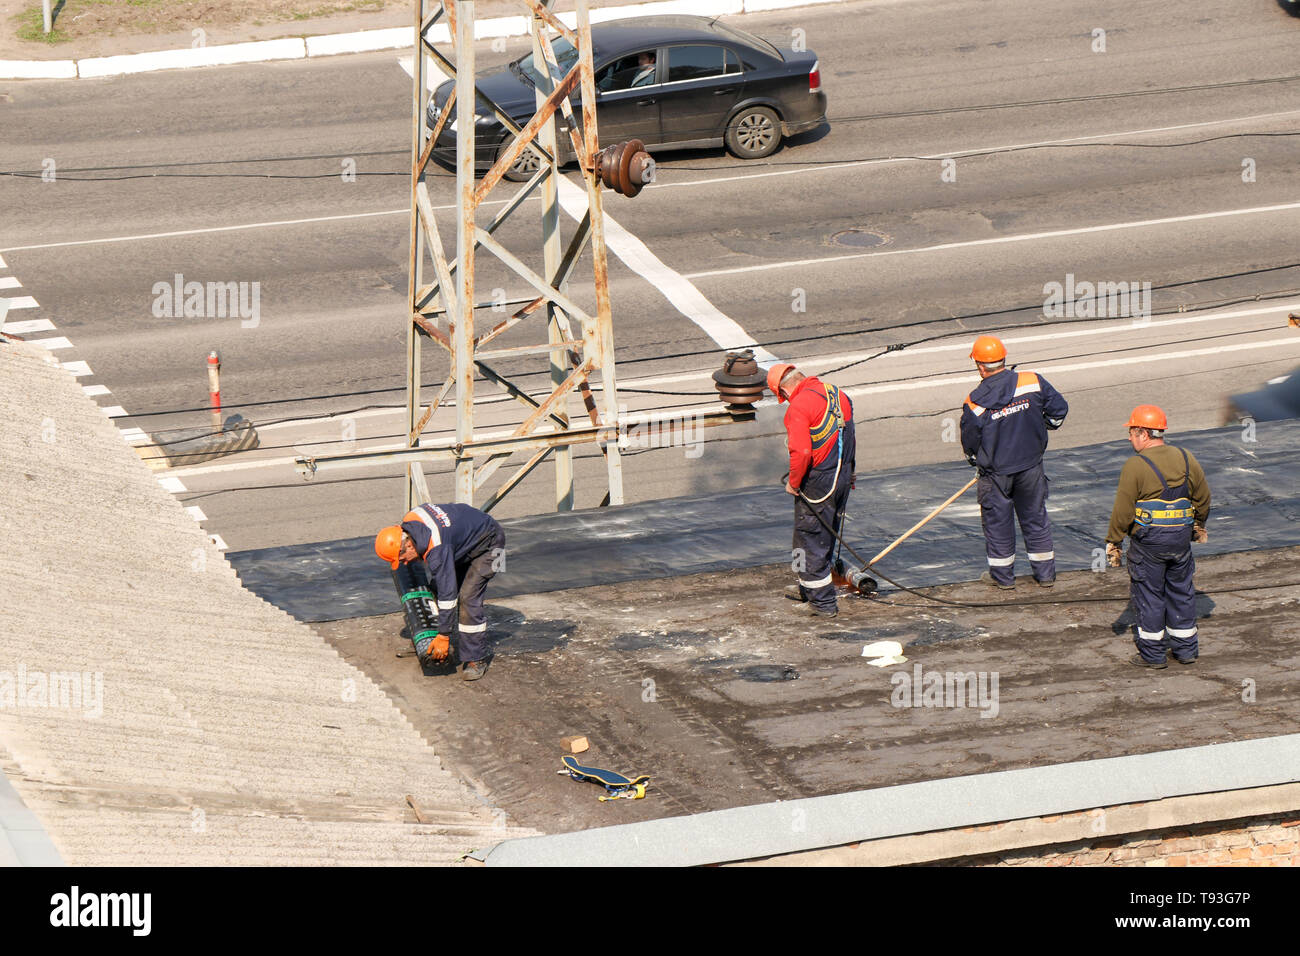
(1162, 505)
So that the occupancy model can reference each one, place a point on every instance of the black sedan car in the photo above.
(673, 82)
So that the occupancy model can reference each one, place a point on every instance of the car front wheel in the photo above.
(754, 133)
(524, 168)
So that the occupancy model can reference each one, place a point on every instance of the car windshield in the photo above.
(565, 56)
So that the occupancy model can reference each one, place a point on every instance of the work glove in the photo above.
(1113, 554)
(1199, 534)
(1053, 423)
(440, 648)
(972, 458)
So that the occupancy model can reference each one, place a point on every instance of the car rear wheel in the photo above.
(524, 168)
(754, 133)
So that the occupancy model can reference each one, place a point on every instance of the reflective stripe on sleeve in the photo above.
(1181, 631)
(1042, 556)
(448, 605)
(1151, 636)
(423, 517)
(1002, 562)
(819, 583)
(473, 628)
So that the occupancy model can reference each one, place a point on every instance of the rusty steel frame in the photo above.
(443, 309)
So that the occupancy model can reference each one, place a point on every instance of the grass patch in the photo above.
(83, 19)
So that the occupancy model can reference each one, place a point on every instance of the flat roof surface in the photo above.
(714, 686)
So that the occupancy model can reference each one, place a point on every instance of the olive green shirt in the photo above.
(1137, 482)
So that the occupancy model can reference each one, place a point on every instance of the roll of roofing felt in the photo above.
(417, 604)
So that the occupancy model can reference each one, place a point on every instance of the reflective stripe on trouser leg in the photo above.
(1180, 606)
(997, 517)
(1030, 496)
(814, 540)
(1147, 590)
(471, 643)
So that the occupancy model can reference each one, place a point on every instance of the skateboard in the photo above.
(616, 785)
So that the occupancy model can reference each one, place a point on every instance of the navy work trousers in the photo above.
(1004, 499)
(1160, 570)
(814, 546)
(474, 573)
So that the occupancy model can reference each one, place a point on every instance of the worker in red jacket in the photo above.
(823, 448)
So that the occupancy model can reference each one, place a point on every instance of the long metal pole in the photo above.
(604, 323)
(916, 527)
(466, 206)
(552, 260)
(415, 269)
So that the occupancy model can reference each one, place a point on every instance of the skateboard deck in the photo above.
(616, 785)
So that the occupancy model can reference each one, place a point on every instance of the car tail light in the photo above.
(815, 78)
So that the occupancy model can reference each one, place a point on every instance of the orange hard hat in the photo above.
(988, 349)
(1148, 416)
(774, 375)
(388, 544)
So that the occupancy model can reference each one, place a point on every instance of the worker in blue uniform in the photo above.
(1004, 426)
(1161, 504)
(462, 547)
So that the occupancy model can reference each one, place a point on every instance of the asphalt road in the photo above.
(1123, 165)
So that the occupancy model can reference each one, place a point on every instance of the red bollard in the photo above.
(214, 387)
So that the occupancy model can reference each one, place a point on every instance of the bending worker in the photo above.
(1004, 427)
(1162, 504)
(460, 545)
(823, 448)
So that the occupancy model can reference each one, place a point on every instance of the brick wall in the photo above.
(1272, 840)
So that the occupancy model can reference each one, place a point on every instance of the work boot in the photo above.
(795, 593)
(474, 670)
(812, 610)
(1140, 661)
(1187, 660)
(987, 578)
(1049, 582)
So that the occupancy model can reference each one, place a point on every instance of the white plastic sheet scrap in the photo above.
(885, 653)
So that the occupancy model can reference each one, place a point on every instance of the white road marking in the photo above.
(52, 344)
(134, 436)
(114, 411)
(78, 369)
(195, 512)
(811, 363)
(1001, 240)
(218, 541)
(971, 378)
(883, 161)
(195, 232)
(24, 302)
(169, 483)
(1154, 357)
(697, 182)
(28, 326)
(685, 297)
(93, 390)
(10, 282)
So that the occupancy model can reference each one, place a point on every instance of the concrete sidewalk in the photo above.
(353, 33)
